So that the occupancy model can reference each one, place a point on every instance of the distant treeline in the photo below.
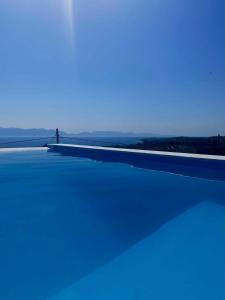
(200, 145)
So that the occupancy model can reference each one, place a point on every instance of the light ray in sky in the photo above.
(70, 22)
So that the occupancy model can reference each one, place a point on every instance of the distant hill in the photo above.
(214, 145)
(42, 132)
(19, 132)
(117, 134)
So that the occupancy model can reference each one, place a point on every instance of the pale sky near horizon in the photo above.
(126, 65)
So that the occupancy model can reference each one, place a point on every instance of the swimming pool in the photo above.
(75, 228)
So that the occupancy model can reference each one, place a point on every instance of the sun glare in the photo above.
(68, 6)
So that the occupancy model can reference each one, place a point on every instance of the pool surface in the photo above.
(74, 228)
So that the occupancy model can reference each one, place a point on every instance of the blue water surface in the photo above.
(62, 218)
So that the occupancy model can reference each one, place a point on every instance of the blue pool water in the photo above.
(66, 223)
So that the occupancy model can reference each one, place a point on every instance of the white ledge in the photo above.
(9, 150)
(150, 152)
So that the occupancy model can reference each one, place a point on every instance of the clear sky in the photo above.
(129, 65)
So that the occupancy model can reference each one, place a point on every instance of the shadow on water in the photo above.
(187, 166)
(65, 220)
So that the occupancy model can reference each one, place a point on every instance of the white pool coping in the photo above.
(150, 152)
(25, 149)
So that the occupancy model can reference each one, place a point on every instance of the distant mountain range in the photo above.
(42, 132)
(116, 134)
(19, 132)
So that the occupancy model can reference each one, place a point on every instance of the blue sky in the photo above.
(129, 65)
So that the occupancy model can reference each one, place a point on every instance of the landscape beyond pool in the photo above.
(74, 228)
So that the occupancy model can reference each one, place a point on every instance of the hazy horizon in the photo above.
(15, 131)
(118, 65)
